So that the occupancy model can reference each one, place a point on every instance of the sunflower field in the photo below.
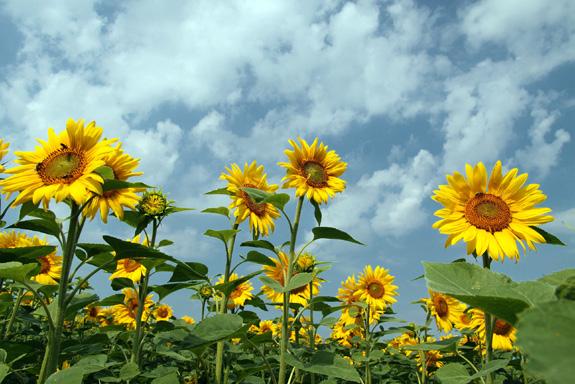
(273, 325)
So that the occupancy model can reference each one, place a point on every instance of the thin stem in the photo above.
(14, 313)
(488, 327)
(312, 325)
(470, 364)
(84, 280)
(224, 305)
(286, 296)
(368, 350)
(268, 365)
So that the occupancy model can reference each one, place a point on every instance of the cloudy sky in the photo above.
(404, 91)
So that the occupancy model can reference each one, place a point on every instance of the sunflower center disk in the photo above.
(376, 290)
(258, 208)
(488, 212)
(61, 166)
(315, 174)
(501, 327)
(131, 265)
(44, 265)
(441, 307)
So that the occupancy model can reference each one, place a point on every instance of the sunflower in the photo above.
(313, 171)
(123, 166)
(50, 265)
(305, 262)
(265, 326)
(188, 320)
(375, 287)
(405, 339)
(346, 335)
(126, 312)
(432, 360)
(92, 313)
(299, 295)
(163, 312)
(240, 294)
(352, 313)
(62, 167)
(504, 334)
(261, 215)
(154, 204)
(445, 309)
(491, 216)
(3, 151)
(130, 268)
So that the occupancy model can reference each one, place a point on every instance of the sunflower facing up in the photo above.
(60, 168)
(313, 170)
(445, 309)
(299, 295)
(3, 151)
(130, 268)
(491, 216)
(375, 287)
(163, 312)
(261, 215)
(240, 294)
(123, 166)
(504, 334)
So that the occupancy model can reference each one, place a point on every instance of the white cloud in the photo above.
(388, 202)
(541, 155)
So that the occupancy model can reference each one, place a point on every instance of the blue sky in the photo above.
(404, 91)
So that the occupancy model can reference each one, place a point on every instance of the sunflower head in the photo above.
(188, 320)
(493, 215)
(313, 170)
(446, 310)
(153, 204)
(375, 287)
(130, 268)
(305, 262)
(504, 334)
(241, 293)
(206, 291)
(62, 167)
(261, 215)
(163, 312)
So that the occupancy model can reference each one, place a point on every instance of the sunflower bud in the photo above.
(206, 292)
(306, 263)
(153, 204)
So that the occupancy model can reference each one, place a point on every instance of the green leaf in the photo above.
(316, 211)
(170, 378)
(218, 327)
(332, 233)
(112, 184)
(492, 292)
(273, 284)
(80, 301)
(39, 225)
(72, 375)
(25, 253)
(278, 200)
(559, 278)
(167, 289)
(549, 238)
(4, 371)
(259, 258)
(189, 271)
(106, 172)
(112, 300)
(121, 283)
(26, 208)
(17, 271)
(129, 371)
(224, 234)
(219, 191)
(449, 345)
(327, 363)
(298, 280)
(165, 243)
(491, 366)
(545, 334)
(453, 373)
(224, 211)
(264, 244)
(231, 285)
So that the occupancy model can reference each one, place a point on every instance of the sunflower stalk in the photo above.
(52, 353)
(14, 313)
(142, 294)
(224, 305)
(488, 327)
(367, 379)
(286, 296)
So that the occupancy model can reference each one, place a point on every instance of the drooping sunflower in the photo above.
(240, 294)
(62, 167)
(313, 170)
(126, 312)
(445, 309)
(299, 295)
(163, 312)
(504, 334)
(3, 151)
(375, 287)
(123, 166)
(50, 265)
(352, 313)
(130, 268)
(261, 215)
(491, 216)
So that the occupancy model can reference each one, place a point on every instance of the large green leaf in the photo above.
(453, 373)
(259, 258)
(72, 375)
(327, 363)
(223, 234)
(16, 271)
(332, 233)
(559, 278)
(190, 272)
(48, 227)
(110, 185)
(264, 244)
(493, 292)
(549, 238)
(298, 280)
(545, 334)
(25, 253)
(224, 211)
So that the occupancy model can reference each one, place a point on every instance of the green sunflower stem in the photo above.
(14, 313)
(312, 329)
(52, 353)
(488, 327)
(367, 379)
(286, 296)
(142, 294)
(224, 306)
